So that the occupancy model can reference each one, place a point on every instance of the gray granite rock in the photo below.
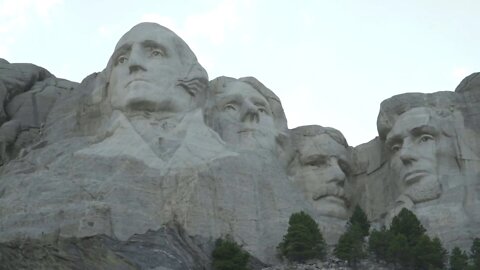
(149, 142)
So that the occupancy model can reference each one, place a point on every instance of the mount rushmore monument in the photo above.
(151, 141)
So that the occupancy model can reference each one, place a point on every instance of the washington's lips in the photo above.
(414, 176)
(246, 130)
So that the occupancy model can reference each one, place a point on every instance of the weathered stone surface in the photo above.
(149, 141)
(27, 93)
(167, 248)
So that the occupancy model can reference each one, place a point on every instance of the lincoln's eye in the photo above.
(426, 138)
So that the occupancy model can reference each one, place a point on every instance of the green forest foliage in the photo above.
(351, 245)
(303, 240)
(228, 255)
(406, 245)
(458, 259)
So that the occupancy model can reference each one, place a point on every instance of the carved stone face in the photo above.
(243, 117)
(146, 68)
(419, 149)
(322, 174)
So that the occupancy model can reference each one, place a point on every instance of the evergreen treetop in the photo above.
(360, 218)
(407, 224)
(228, 255)
(458, 259)
(303, 240)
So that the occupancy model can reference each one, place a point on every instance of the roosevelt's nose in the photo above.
(136, 60)
(250, 112)
(337, 175)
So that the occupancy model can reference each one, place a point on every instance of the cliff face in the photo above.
(150, 141)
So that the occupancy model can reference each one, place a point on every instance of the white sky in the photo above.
(330, 62)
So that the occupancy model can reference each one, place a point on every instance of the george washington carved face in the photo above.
(146, 67)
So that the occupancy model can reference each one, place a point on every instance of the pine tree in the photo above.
(303, 240)
(350, 245)
(228, 255)
(429, 254)
(475, 253)
(458, 259)
(378, 243)
(360, 218)
(399, 251)
(407, 224)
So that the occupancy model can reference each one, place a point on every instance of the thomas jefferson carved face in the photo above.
(146, 67)
(243, 117)
(322, 172)
(420, 149)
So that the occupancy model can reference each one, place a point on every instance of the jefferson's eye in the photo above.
(229, 107)
(426, 138)
(394, 148)
(122, 59)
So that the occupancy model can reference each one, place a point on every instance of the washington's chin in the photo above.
(152, 103)
(331, 206)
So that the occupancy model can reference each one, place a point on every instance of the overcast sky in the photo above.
(330, 62)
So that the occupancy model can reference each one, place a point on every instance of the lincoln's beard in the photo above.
(426, 189)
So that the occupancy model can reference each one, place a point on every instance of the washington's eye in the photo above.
(229, 107)
(426, 138)
(122, 59)
(262, 110)
(156, 52)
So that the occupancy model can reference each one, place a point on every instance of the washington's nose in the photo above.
(136, 61)
(250, 113)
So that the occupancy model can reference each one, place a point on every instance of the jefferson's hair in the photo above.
(299, 134)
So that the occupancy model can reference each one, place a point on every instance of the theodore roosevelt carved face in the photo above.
(321, 167)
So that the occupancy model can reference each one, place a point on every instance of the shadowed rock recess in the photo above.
(145, 164)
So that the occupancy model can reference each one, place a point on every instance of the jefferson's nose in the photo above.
(250, 113)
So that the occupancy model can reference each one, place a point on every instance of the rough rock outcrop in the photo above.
(150, 141)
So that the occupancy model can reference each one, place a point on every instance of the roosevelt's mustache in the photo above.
(329, 190)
